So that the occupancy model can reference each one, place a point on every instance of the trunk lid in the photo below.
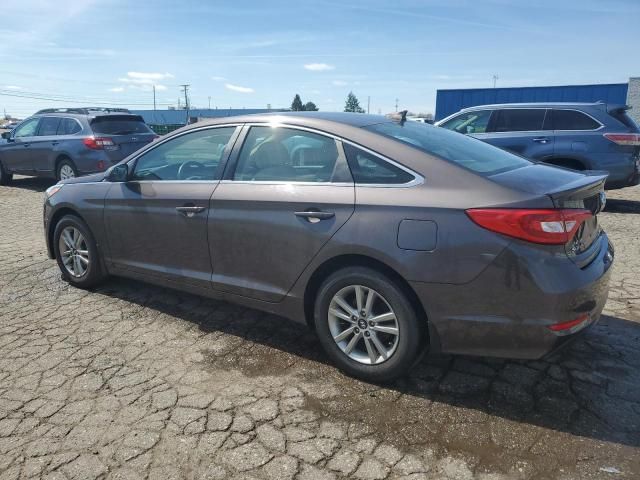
(128, 132)
(567, 189)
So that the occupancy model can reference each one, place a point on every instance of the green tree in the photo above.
(352, 104)
(296, 105)
(310, 107)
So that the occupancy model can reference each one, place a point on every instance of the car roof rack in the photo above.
(84, 110)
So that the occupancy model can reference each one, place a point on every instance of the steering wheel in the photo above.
(188, 168)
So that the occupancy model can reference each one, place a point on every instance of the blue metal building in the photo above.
(450, 101)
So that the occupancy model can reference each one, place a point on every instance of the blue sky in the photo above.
(251, 53)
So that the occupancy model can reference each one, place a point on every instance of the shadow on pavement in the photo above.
(590, 389)
(35, 184)
(622, 206)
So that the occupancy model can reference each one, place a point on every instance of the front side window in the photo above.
(371, 169)
(68, 126)
(573, 120)
(519, 120)
(470, 122)
(27, 129)
(468, 152)
(48, 126)
(287, 155)
(192, 156)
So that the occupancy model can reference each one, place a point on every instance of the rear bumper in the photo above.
(625, 174)
(507, 310)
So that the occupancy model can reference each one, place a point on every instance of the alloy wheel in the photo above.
(363, 324)
(74, 251)
(66, 171)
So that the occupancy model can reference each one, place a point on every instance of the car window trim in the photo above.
(549, 109)
(221, 166)
(233, 163)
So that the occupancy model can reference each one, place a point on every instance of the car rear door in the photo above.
(156, 222)
(522, 131)
(43, 144)
(16, 154)
(286, 192)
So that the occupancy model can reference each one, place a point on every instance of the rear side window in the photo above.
(119, 125)
(467, 152)
(48, 126)
(572, 120)
(370, 169)
(68, 126)
(470, 122)
(519, 120)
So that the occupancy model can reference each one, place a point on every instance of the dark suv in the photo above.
(70, 142)
(580, 136)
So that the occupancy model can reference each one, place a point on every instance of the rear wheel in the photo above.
(77, 253)
(367, 325)
(5, 178)
(66, 169)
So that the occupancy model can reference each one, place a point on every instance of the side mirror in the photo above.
(119, 173)
(6, 135)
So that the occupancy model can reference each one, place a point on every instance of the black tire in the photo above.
(5, 178)
(65, 162)
(94, 273)
(410, 338)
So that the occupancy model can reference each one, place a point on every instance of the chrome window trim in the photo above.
(417, 178)
(535, 131)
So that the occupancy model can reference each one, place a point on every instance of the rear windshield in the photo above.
(457, 148)
(624, 118)
(119, 125)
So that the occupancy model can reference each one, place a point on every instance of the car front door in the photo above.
(286, 192)
(522, 131)
(16, 154)
(156, 222)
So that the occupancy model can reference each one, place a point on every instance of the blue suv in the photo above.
(580, 136)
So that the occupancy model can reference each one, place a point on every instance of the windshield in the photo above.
(453, 147)
(119, 125)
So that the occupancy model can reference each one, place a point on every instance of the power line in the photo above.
(51, 98)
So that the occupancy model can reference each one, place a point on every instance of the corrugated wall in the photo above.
(450, 101)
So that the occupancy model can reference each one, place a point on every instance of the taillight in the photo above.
(545, 226)
(100, 143)
(630, 139)
(571, 326)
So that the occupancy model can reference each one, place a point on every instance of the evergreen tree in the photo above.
(296, 105)
(352, 104)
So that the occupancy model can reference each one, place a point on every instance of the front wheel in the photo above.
(5, 177)
(367, 325)
(76, 253)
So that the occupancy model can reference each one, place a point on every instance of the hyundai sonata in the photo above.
(388, 237)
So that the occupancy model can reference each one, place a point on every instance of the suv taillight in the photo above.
(630, 139)
(100, 143)
(545, 226)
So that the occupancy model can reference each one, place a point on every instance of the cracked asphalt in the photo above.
(131, 381)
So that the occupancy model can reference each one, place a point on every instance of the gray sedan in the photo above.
(388, 237)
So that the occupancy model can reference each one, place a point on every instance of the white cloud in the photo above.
(319, 67)
(12, 87)
(218, 79)
(340, 83)
(144, 78)
(238, 88)
(116, 89)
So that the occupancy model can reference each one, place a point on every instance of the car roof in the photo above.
(308, 119)
(534, 105)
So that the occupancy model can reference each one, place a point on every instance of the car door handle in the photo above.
(190, 210)
(26, 144)
(315, 215)
(54, 143)
(541, 139)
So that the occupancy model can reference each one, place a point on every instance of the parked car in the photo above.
(66, 143)
(10, 125)
(580, 136)
(388, 237)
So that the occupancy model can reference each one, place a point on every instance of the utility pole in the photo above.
(209, 102)
(495, 79)
(396, 104)
(154, 98)
(185, 89)
(368, 104)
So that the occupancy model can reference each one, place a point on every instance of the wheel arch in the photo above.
(356, 260)
(59, 158)
(567, 160)
(57, 216)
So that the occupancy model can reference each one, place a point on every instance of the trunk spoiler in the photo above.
(618, 108)
(590, 185)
